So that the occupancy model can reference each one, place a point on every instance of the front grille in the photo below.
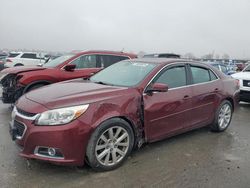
(27, 114)
(246, 83)
(20, 128)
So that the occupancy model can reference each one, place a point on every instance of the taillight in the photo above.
(8, 60)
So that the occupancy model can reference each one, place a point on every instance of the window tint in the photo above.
(29, 56)
(173, 77)
(86, 61)
(200, 75)
(212, 75)
(107, 60)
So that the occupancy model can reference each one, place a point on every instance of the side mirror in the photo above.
(69, 67)
(158, 87)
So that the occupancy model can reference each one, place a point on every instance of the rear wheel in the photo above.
(223, 117)
(110, 145)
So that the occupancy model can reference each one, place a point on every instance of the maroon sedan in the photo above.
(121, 107)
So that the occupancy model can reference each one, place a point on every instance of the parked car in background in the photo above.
(2, 60)
(123, 106)
(24, 59)
(2, 64)
(19, 80)
(244, 80)
(240, 66)
(162, 55)
(222, 67)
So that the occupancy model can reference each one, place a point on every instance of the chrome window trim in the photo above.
(180, 63)
(93, 54)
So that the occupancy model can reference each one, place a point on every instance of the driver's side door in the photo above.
(167, 112)
(86, 66)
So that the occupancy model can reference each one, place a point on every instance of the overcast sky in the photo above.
(180, 26)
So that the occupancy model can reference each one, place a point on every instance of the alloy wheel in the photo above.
(225, 115)
(112, 146)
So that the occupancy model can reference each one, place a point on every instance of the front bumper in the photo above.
(244, 96)
(11, 94)
(11, 90)
(70, 139)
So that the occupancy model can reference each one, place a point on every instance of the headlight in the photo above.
(61, 116)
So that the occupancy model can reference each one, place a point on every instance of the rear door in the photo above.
(206, 88)
(166, 112)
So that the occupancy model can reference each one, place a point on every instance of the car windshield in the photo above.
(57, 61)
(125, 73)
(13, 54)
(247, 69)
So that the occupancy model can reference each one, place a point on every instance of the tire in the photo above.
(223, 117)
(104, 153)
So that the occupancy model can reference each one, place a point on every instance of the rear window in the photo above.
(13, 54)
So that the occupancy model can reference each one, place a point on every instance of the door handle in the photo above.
(186, 97)
(216, 89)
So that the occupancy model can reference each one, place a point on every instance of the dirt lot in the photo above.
(195, 159)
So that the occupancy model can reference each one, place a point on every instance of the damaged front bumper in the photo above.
(10, 90)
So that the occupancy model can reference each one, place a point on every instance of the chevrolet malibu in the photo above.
(100, 121)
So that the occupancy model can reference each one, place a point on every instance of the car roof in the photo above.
(162, 55)
(161, 60)
(214, 63)
(105, 52)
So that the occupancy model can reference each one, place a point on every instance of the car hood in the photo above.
(73, 93)
(242, 75)
(20, 69)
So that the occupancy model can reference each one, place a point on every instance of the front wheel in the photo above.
(223, 117)
(110, 145)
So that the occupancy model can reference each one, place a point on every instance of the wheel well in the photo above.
(132, 126)
(18, 64)
(137, 135)
(231, 101)
(35, 83)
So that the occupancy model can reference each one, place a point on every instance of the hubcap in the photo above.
(224, 116)
(112, 146)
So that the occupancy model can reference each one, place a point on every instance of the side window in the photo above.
(173, 77)
(212, 75)
(107, 60)
(85, 61)
(29, 56)
(200, 75)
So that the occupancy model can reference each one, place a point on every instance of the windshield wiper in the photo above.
(103, 83)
